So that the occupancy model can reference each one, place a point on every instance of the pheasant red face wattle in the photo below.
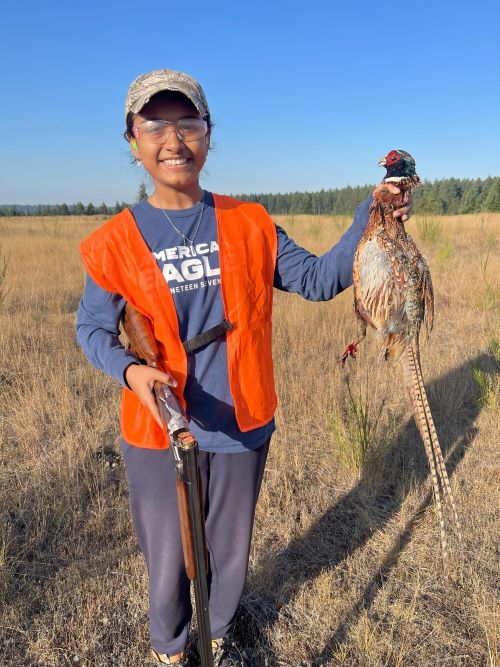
(400, 167)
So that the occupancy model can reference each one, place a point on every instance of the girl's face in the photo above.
(174, 165)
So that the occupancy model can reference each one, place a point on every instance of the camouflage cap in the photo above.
(145, 86)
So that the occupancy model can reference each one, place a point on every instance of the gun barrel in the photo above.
(195, 502)
(190, 497)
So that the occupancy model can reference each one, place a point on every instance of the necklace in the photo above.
(189, 242)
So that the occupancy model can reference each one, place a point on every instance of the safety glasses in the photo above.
(157, 131)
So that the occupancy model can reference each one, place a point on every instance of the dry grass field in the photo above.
(346, 566)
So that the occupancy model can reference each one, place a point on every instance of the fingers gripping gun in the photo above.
(189, 490)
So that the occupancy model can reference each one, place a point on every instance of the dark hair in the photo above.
(129, 122)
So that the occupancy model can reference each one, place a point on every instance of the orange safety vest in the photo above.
(119, 260)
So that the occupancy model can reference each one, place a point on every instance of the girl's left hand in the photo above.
(405, 211)
(141, 380)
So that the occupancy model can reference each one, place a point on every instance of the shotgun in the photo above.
(188, 482)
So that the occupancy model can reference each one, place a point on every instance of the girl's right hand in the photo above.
(141, 380)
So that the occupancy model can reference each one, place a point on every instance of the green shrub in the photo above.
(429, 228)
(355, 427)
(488, 384)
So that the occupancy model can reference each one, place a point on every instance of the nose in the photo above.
(173, 140)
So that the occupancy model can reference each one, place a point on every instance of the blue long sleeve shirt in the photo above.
(185, 246)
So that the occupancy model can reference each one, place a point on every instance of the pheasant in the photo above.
(393, 294)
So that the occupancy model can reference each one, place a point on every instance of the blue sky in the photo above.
(304, 95)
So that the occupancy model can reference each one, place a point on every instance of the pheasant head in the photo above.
(400, 167)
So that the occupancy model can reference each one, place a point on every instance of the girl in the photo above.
(190, 260)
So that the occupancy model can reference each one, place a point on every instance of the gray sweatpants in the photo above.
(231, 484)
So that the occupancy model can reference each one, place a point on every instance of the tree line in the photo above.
(62, 209)
(447, 196)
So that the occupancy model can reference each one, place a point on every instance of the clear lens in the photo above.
(191, 128)
(187, 129)
(153, 130)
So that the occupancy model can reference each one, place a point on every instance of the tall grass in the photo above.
(430, 228)
(4, 265)
(490, 298)
(445, 251)
(345, 563)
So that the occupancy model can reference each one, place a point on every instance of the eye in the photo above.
(188, 123)
(192, 128)
(154, 126)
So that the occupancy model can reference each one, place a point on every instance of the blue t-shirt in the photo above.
(185, 246)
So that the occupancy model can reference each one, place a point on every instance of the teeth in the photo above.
(174, 162)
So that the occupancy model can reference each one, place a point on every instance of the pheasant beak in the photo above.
(382, 162)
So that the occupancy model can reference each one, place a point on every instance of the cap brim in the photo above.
(144, 99)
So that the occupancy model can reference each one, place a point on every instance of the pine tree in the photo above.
(141, 192)
(492, 200)
(469, 202)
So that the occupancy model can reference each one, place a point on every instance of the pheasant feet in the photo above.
(350, 351)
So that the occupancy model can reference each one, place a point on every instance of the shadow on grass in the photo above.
(344, 528)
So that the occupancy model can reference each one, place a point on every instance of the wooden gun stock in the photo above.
(140, 336)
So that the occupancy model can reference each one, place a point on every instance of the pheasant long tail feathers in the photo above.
(438, 454)
(423, 417)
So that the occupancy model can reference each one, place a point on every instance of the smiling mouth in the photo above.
(173, 162)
